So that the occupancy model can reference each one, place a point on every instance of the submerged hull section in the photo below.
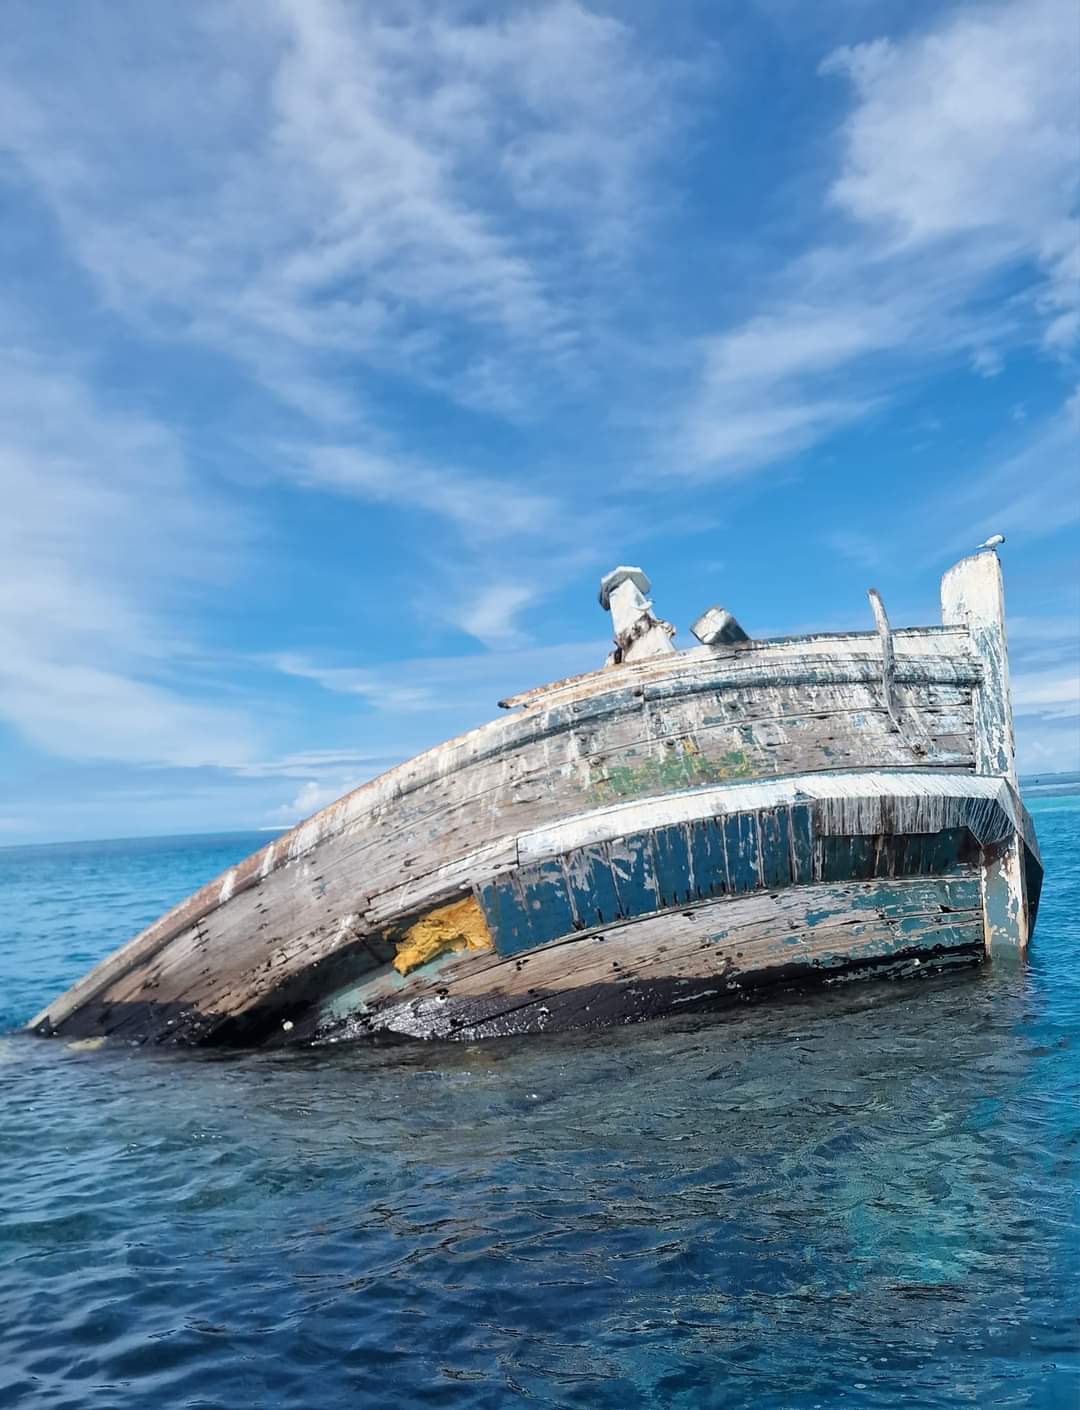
(700, 900)
(675, 832)
(708, 956)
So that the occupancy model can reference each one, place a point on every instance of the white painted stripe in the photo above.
(621, 819)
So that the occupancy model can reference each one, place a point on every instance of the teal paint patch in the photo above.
(548, 902)
(674, 870)
(913, 927)
(774, 827)
(947, 852)
(679, 865)
(833, 855)
(531, 908)
(634, 874)
(708, 859)
(802, 845)
(862, 858)
(343, 1003)
(743, 853)
(891, 899)
(591, 887)
(506, 912)
(914, 936)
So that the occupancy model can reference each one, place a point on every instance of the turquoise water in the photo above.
(864, 1199)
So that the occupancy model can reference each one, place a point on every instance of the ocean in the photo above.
(863, 1198)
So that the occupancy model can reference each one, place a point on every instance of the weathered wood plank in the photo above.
(928, 643)
(845, 803)
(972, 594)
(406, 839)
(232, 961)
(717, 951)
(520, 771)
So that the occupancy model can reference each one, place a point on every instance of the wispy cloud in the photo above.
(102, 534)
(347, 201)
(480, 508)
(1028, 493)
(492, 616)
(957, 166)
(1053, 694)
(346, 186)
(860, 548)
(455, 288)
(1045, 681)
(464, 685)
(970, 133)
(318, 762)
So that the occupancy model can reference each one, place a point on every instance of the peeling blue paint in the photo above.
(674, 867)
(708, 859)
(682, 864)
(802, 845)
(743, 858)
(775, 831)
(635, 881)
(592, 892)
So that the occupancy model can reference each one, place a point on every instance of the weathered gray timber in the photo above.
(972, 593)
(681, 828)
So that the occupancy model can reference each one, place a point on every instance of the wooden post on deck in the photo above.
(973, 595)
(637, 632)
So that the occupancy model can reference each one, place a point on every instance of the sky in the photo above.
(344, 346)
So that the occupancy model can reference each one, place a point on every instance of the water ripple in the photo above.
(867, 1199)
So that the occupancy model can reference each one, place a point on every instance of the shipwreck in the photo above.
(677, 830)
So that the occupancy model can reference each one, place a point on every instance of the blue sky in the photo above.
(345, 346)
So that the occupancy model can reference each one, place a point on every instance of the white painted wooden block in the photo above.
(717, 627)
(638, 633)
(973, 594)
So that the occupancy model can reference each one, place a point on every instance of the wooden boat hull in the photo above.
(683, 831)
(707, 900)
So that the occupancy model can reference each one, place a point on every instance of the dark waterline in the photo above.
(868, 1198)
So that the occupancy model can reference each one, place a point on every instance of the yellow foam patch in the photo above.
(458, 926)
(86, 1045)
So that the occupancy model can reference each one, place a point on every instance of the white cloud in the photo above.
(1054, 694)
(305, 763)
(1030, 493)
(491, 616)
(987, 362)
(351, 199)
(968, 128)
(379, 688)
(971, 133)
(957, 166)
(481, 509)
(307, 183)
(1047, 747)
(1045, 663)
(313, 796)
(467, 686)
(102, 534)
(1044, 656)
